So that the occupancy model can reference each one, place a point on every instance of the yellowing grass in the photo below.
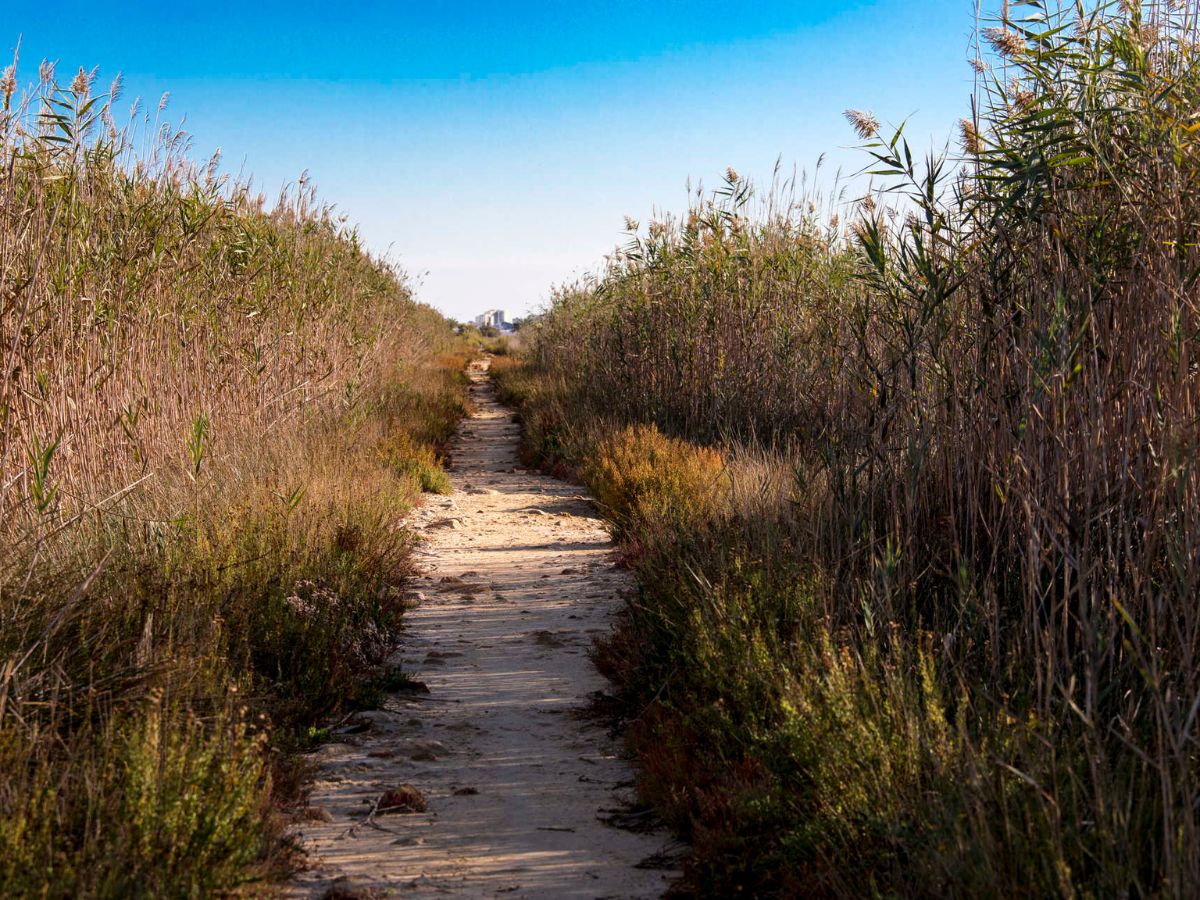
(640, 475)
(213, 417)
(945, 641)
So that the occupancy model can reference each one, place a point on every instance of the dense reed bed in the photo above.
(212, 416)
(910, 485)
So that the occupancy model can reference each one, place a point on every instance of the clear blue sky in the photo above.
(495, 147)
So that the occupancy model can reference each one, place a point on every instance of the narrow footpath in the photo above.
(524, 795)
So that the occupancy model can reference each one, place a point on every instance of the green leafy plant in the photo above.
(197, 442)
(43, 493)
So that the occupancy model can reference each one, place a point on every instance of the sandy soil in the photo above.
(523, 791)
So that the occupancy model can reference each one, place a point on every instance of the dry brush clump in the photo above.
(644, 480)
(212, 416)
(958, 655)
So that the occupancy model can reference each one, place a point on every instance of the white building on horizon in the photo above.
(493, 318)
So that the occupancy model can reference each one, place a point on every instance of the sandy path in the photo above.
(519, 579)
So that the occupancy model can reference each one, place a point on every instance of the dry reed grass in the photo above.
(961, 658)
(212, 416)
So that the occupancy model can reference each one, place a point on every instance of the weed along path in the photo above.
(494, 782)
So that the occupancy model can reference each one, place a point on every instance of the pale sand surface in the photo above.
(517, 779)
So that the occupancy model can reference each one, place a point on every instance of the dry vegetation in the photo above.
(212, 416)
(923, 621)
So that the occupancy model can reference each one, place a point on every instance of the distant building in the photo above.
(494, 318)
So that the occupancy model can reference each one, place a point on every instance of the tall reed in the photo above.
(212, 416)
(964, 649)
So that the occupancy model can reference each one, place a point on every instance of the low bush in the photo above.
(646, 481)
(418, 462)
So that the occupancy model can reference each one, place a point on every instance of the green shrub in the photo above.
(419, 462)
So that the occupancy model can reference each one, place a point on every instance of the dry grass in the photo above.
(644, 480)
(212, 416)
(961, 656)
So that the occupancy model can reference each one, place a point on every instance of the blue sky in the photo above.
(496, 147)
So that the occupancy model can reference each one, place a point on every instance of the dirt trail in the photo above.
(518, 783)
